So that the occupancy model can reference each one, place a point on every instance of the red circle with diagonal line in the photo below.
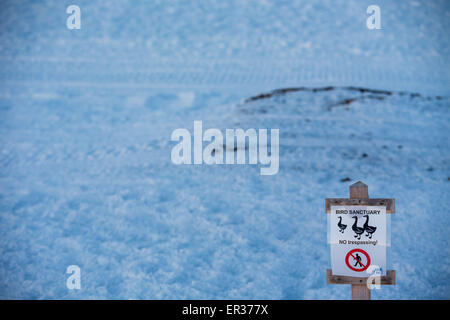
(351, 254)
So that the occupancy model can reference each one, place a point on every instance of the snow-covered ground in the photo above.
(85, 123)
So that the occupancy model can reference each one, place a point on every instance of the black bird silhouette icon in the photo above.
(368, 229)
(358, 231)
(341, 226)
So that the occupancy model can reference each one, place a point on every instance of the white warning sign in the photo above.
(358, 237)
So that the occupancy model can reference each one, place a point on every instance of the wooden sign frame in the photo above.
(359, 196)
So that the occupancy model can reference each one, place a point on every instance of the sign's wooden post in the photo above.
(360, 190)
(359, 196)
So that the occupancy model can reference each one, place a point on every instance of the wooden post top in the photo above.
(359, 190)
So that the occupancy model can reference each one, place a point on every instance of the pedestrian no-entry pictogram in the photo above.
(357, 260)
(358, 236)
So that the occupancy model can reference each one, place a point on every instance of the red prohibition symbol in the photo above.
(359, 266)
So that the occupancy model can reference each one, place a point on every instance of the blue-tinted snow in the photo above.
(85, 123)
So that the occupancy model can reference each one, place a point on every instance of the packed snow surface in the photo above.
(85, 123)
